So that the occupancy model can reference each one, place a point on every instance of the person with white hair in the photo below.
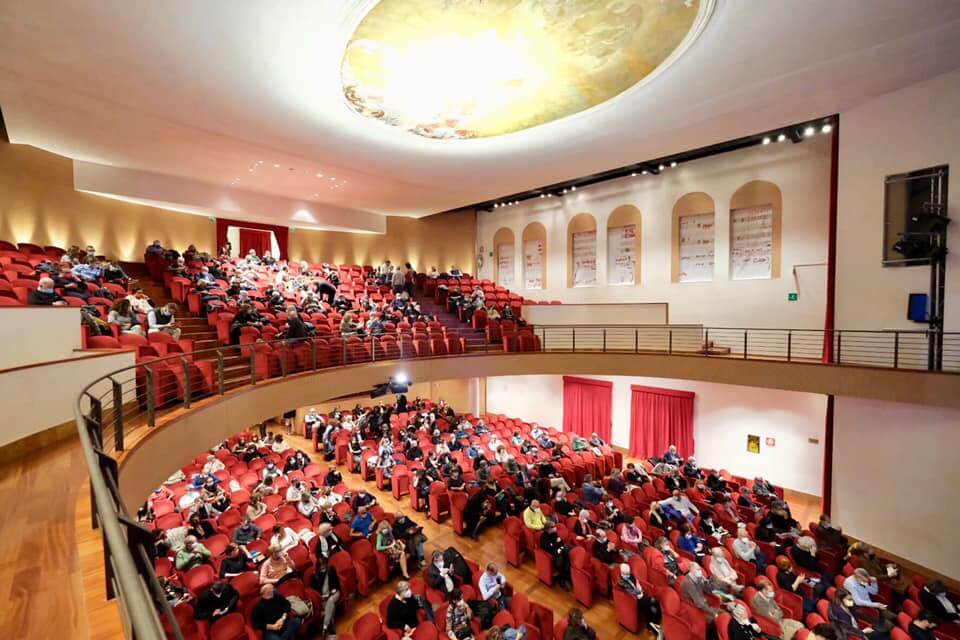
(671, 457)
(764, 604)
(748, 550)
(742, 626)
(721, 570)
(213, 464)
(277, 567)
(648, 609)
(695, 588)
(192, 554)
(45, 294)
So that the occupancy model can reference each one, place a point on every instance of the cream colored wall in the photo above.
(40, 205)
(441, 240)
(38, 334)
(896, 482)
(913, 128)
(43, 396)
(724, 415)
(801, 171)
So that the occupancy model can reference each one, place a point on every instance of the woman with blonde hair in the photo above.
(395, 549)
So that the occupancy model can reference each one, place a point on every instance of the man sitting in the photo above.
(45, 294)
(679, 504)
(764, 604)
(648, 609)
(493, 587)
(191, 555)
(272, 616)
(533, 517)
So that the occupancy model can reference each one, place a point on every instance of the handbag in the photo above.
(300, 607)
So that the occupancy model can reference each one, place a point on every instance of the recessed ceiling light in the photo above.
(645, 172)
(573, 188)
(809, 131)
(662, 167)
(781, 137)
(259, 161)
(319, 175)
(673, 164)
(276, 166)
(827, 128)
(766, 140)
(634, 174)
(542, 196)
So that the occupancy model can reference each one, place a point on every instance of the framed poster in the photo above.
(753, 444)
(505, 265)
(533, 264)
(584, 258)
(621, 255)
(696, 248)
(751, 243)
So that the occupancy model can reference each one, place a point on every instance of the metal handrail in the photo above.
(128, 548)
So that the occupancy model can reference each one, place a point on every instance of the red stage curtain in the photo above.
(587, 405)
(282, 233)
(659, 418)
(259, 241)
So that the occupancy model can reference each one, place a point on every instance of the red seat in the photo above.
(625, 609)
(230, 627)
(361, 552)
(368, 627)
(513, 540)
(199, 579)
(439, 502)
(458, 502)
(581, 574)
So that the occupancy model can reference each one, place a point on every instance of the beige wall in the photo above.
(896, 482)
(441, 240)
(38, 334)
(800, 172)
(43, 396)
(913, 128)
(39, 205)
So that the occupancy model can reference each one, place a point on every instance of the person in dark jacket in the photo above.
(551, 542)
(934, 599)
(921, 627)
(45, 294)
(296, 327)
(272, 616)
(219, 600)
(577, 627)
(403, 608)
(327, 583)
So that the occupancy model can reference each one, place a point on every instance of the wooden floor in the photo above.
(51, 567)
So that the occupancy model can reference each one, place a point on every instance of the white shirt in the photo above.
(489, 585)
(293, 493)
(287, 540)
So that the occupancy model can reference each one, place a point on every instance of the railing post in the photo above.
(744, 344)
(253, 365)
(283, 359)
(839, 342)
(187, 387)
(604, 339)
(313, 354)
(670, 342)
(706, 342)
(96, 418)
(636, 340)
(896, 349)
(543, 338)
(344, 360)
(117, 415)
(574, 339)
(151, 399)
(400, 335)
(789, 343)
(221, 384)
(373, 348)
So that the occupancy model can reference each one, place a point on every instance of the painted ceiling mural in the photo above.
(460, 69)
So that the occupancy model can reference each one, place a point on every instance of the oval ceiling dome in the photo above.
(479, 68)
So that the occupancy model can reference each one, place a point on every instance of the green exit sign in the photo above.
(792, 297)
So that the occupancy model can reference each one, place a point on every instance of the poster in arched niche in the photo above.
(504, 258)
(756, 212)
(693, 240)
(534, 240)
(623, 246)
(582, 251)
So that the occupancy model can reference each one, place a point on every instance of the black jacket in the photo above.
(209, 602)
(37, 297)
(402, 613)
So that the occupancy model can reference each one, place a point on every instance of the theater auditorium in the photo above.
(480, 319)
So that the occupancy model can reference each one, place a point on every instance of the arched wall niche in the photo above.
(690, 204)
(625, 215)
(760, 193)
(502, 239)
(580, 223)
(532, 248)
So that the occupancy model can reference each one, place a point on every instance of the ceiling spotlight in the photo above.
(673, 164)
(564, 190)
(662, 167)
(633, 175)
(276, 166)
(827, 128)
(573, 188)
(645, 172)
(319, 175)
(809, 131)
(781, 137)
(543, 195)
(766, 140)
(259, 161)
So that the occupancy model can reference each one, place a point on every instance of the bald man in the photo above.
(272, 616)
(45, 294)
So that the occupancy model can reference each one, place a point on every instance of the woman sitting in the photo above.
(395, 549)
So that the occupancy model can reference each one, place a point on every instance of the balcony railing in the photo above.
(113, 407)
